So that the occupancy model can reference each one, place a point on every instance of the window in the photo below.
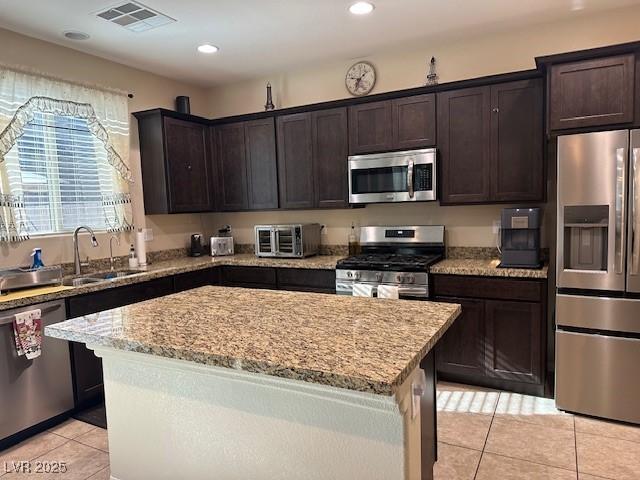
(61, 171)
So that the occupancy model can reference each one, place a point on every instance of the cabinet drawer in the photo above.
(249, 276)
(117, 297)
(495, 288)
(307, 280)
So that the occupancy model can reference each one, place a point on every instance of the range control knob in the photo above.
(379, 276)
(400, 278)
(356, 275)
(411, 279)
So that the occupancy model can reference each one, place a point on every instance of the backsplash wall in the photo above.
(466, 226)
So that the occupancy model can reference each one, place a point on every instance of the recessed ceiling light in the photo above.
(74, 35)
(361, 8)
(208, 48)
(577, 5)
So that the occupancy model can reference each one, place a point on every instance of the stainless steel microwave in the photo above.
(287, 241)
(408, 176)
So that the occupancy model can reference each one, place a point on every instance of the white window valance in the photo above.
(64, 156)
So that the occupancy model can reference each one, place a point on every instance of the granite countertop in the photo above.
(172, 267)
(362, 344)
(485, 268)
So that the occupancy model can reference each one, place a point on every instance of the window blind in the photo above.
(61, 170)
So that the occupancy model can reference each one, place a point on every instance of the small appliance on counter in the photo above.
(196, 245)
(287, 241)
(520, 238)
(222, 245)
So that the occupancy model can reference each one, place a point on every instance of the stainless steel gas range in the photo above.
(395, 256)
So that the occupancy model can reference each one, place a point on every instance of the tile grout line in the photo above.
(493, 416)
(575, 446)
(533, 462)
(99, 471)
(91, 446)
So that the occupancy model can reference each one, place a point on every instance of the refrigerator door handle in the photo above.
(634, 201)
(620, 202)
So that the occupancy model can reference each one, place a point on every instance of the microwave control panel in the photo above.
(423, 177)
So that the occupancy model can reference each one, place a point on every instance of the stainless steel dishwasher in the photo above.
(32, 391)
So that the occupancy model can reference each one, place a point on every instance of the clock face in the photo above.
(360, 78)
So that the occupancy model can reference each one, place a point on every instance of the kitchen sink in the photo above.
(19, 278)
(98, 277)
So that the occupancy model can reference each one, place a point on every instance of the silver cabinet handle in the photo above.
(620, 201)
(634, 201)
(410, 178)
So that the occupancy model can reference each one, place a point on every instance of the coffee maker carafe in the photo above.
(520, 238)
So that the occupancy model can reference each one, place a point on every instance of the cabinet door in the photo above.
(231, 169)
(589, 93)
(330, 156)
(461, 349)
(187, 166)
(514, 340)
(306, 280)
(295, 161)
(414, 121)
(370, 128)
(249, 277)
(262, 173)
(464, 141)
(517, 169)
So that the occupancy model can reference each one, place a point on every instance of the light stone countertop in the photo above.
(485, 268)
(173, 267)
(363, 344)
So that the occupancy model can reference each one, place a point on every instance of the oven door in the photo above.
(393, 177)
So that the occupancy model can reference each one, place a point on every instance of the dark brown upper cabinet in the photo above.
(414, 121)
(262, 174)
(312, 159)
(176, 172)
(491, 143)
(230, 166)
(245, 161)
(517, 142)
(295, 161)
(404, 123)
(591, 93)
(464, 118)
(330, 154)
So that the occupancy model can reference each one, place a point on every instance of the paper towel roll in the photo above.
(141, 248)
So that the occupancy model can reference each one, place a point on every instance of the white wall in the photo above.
(149, 91)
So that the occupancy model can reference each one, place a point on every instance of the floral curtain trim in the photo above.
(25, 114)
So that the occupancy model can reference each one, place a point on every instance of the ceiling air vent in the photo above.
(135, 17)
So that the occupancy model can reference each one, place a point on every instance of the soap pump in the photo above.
(37, 258)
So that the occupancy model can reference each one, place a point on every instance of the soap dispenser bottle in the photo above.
(354, 245)
(37, 258)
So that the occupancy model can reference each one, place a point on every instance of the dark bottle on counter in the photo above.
(354, 244)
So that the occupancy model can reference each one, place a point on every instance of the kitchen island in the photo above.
(233, 383)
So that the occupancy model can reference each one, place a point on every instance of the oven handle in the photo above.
(410, 177)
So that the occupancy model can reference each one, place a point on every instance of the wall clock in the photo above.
(360, 79)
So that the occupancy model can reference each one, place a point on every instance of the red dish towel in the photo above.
(27, 329)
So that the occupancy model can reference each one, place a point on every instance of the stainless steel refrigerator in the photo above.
(598, 278)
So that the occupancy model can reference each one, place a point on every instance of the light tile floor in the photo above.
(486, 434)
(483, 434)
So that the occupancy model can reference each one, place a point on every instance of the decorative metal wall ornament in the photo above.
(269, 105)
(432, 76)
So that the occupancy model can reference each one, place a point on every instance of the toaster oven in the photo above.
(287, 241)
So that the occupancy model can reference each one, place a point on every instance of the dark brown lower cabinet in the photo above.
(86, 367)
(513, 337)
(496, 342)
(307, 280)
(461, 349)
(249, 277)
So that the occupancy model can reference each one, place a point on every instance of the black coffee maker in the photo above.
(520, 238)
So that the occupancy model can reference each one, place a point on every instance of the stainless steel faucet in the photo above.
(94, 243)
(111, 260)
